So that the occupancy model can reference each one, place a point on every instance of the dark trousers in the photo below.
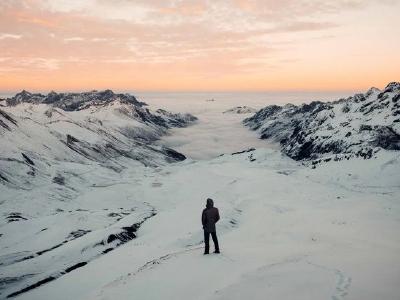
(207, 241)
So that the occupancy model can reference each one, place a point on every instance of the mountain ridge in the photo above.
(73, 100)
(79, 128)
(356, 126)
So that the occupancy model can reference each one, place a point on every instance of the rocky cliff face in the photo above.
(358, 126)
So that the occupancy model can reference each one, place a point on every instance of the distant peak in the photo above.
(24, 92)
(372, 91)
(108, 93)
(392, 86)
(393, 83)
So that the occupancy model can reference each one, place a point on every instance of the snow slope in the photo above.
(36, 137)
(55, 167)
(286, 231)
(360, 125)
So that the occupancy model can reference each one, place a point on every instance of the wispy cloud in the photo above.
(74, 39)
(227, 42)
(4, 36)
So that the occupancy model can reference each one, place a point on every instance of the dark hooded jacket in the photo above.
(210, 216)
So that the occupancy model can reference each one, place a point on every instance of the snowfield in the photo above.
(287, 230)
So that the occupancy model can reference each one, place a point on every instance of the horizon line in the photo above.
(133, 91)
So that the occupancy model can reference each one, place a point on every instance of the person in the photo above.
(209, 217)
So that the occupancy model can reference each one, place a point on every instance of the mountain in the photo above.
(60, 156)
(74, 101)
(358, 126)
(40, 132)
(240, 110)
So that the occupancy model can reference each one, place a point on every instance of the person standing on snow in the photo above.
(209, 217)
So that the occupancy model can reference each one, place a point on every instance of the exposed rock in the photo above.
(244, 151)
(6, 119)
(77, 234)
(2, 177)
(14, 217)
(59, 179)
(71, 139)
(174, 155)
(27, 159)
(386, 138)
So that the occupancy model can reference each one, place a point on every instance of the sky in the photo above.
(217, 45)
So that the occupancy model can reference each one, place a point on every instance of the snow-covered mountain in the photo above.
(55, 150)
(240, 110)
(358, 126)
(74, 101)
(39, 131)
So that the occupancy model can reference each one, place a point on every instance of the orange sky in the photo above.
(198, 45)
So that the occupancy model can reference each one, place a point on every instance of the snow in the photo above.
(281, 235)
(287, 231)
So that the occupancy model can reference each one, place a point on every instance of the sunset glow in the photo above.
(198, 45)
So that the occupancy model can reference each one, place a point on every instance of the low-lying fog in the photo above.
(216, 132)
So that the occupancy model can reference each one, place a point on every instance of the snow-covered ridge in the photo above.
(74, 101)
(360, 125)
(39, 132)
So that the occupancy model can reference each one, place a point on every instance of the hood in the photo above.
(210, 203)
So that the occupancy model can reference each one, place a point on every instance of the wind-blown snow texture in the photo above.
(357, 126)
